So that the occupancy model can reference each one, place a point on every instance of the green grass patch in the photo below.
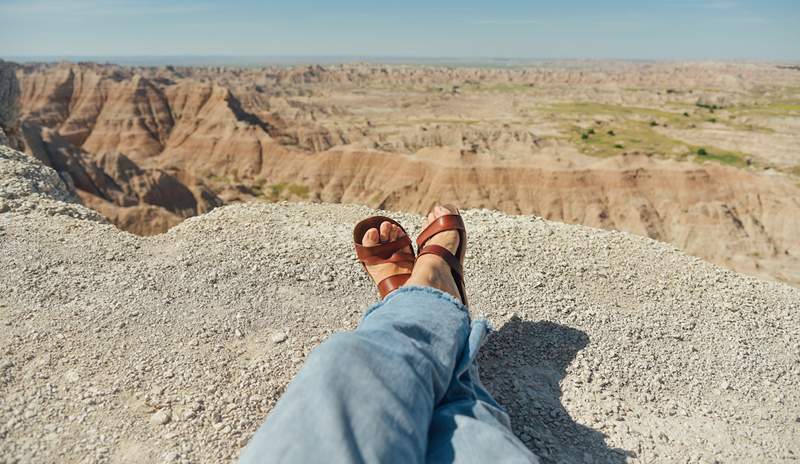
(726, 157)
(776, 108)
(640, 137)
(279, 191)
(300, 191)
(677, 119)
(630, 136)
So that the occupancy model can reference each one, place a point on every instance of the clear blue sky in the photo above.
(670, 29)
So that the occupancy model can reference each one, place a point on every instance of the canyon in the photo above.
(700, 155)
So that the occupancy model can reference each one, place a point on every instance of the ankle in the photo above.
(433, 271)
(433, 264)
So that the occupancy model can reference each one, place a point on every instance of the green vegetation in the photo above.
(634, 130)
(708, 106)
(775, 108)
(640, 137)
(300, 191)
(678, 118)
(280, 191)
(727, 157)
(632, 136)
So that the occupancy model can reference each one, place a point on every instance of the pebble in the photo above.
(278, 337)
(161, 417)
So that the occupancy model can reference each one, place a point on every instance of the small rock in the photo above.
(161, 417)
(278, 337)
(71, 376)
(238, 333)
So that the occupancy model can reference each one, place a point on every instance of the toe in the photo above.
(398, 233)
(386, 229)
(441, 211)
(371, 238)
(431, 216)
(393, 233)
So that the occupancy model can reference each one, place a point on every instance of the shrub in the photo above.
(584, 136)
(611, 133)
(702, 152)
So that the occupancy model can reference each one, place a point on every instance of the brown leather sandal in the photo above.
(443, 223)
(389, 252)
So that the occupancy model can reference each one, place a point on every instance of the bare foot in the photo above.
(388, 233)
(432, 270)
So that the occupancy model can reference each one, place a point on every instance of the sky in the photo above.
(622, 29)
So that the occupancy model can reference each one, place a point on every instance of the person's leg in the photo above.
(468, 426)
(369, 395)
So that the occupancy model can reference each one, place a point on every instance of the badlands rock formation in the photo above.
(9, 106)
(609, 347)
(699, 155)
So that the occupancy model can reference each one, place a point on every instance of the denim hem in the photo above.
(434, 292)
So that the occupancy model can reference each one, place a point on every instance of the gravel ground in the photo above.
(173, 348)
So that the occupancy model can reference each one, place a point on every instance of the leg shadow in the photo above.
(522, 366)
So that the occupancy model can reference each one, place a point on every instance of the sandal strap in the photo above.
(390, 252)
(441, 224)
(392, 283)
(385, 252)
(449, 258)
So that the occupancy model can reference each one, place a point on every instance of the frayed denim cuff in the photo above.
(433, 292)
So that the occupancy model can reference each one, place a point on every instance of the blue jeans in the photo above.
(401, 388)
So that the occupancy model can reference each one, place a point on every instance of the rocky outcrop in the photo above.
(28, 187)
(143, 201)
(198, 126)
(9, 106)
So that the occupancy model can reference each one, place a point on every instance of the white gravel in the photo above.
(173, 348)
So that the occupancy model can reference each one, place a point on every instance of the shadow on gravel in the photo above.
(522, 365)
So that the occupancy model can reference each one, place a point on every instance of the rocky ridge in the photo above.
(609, 347)
(403, 137)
